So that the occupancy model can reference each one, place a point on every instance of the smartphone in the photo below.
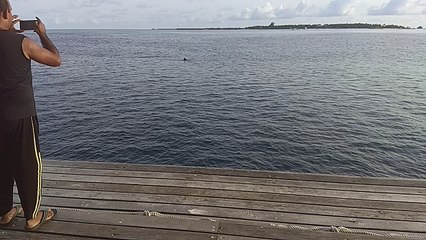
(28, 25)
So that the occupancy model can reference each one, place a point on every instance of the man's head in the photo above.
(4, 5)
(6, 17)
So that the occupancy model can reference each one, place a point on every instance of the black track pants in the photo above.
(20, 161)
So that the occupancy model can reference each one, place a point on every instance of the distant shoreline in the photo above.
(272, 26)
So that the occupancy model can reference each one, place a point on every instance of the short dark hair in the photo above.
(4, 5)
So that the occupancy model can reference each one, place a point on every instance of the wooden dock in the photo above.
(127, 201)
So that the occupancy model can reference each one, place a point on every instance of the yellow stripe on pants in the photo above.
(39, 172)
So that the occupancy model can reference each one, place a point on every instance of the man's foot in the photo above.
(43, 217)
(7, 219)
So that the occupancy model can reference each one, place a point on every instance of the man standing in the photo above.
(20, 158)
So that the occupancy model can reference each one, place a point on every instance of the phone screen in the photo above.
(28, 24)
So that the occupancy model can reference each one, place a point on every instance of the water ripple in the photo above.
(339, 102)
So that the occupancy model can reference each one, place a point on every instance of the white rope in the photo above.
(134, 213)
(280, 226)
(344, 230)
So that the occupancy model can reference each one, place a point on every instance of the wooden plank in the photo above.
(115, 232)
(243, 173)
(250, 220)
(20, 235)
(237, 209)
(237, 229)
(124, 218)
(235, 179)
(289, 217)
(280, 226)
(223, 204)
(239, 195)
(184, 223)
(228, 237)
(251, 217)
(241, 187)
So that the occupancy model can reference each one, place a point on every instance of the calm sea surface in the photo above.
(322, 101)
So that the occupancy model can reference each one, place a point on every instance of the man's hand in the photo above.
(41, 28)
(15, 21)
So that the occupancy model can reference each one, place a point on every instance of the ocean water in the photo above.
(318, 101)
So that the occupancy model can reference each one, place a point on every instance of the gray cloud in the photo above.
(144, 5)
(340, 8)
(93, 3)
(400, 7)
(214, 13)
(303, 9)
(266, 11)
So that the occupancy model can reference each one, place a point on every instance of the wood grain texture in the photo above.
(107, 201)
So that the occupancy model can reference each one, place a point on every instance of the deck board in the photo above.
(244, 173)
(19, 235)
(228, 179)
(110, 231)
(258, 210)
(240, 187)
(241, 195)
(102, 201)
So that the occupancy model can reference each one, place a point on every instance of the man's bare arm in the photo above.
(48, 54)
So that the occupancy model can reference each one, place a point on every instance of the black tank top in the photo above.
(16, 87)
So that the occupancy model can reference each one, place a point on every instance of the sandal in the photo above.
(18, 210)
(44, 219)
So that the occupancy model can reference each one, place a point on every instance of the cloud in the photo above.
(94, 3)
(303, 9)
(214, 13)
(400, 7)
(340, 8)
(266, 11)
(144, 5)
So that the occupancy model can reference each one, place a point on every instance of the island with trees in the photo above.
(310, 26)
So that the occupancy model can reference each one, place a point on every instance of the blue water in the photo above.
(320, 101)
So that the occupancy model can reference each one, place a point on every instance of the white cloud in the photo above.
(143, 5)
(303, 9)
(340, 8)
(266, 11)
(400, 7)
(93, 3)
(333, 8)
(216, 13)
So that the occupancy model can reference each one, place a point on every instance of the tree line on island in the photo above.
(313, 26)
(330, 26)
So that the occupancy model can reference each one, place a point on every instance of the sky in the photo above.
(146, 14)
